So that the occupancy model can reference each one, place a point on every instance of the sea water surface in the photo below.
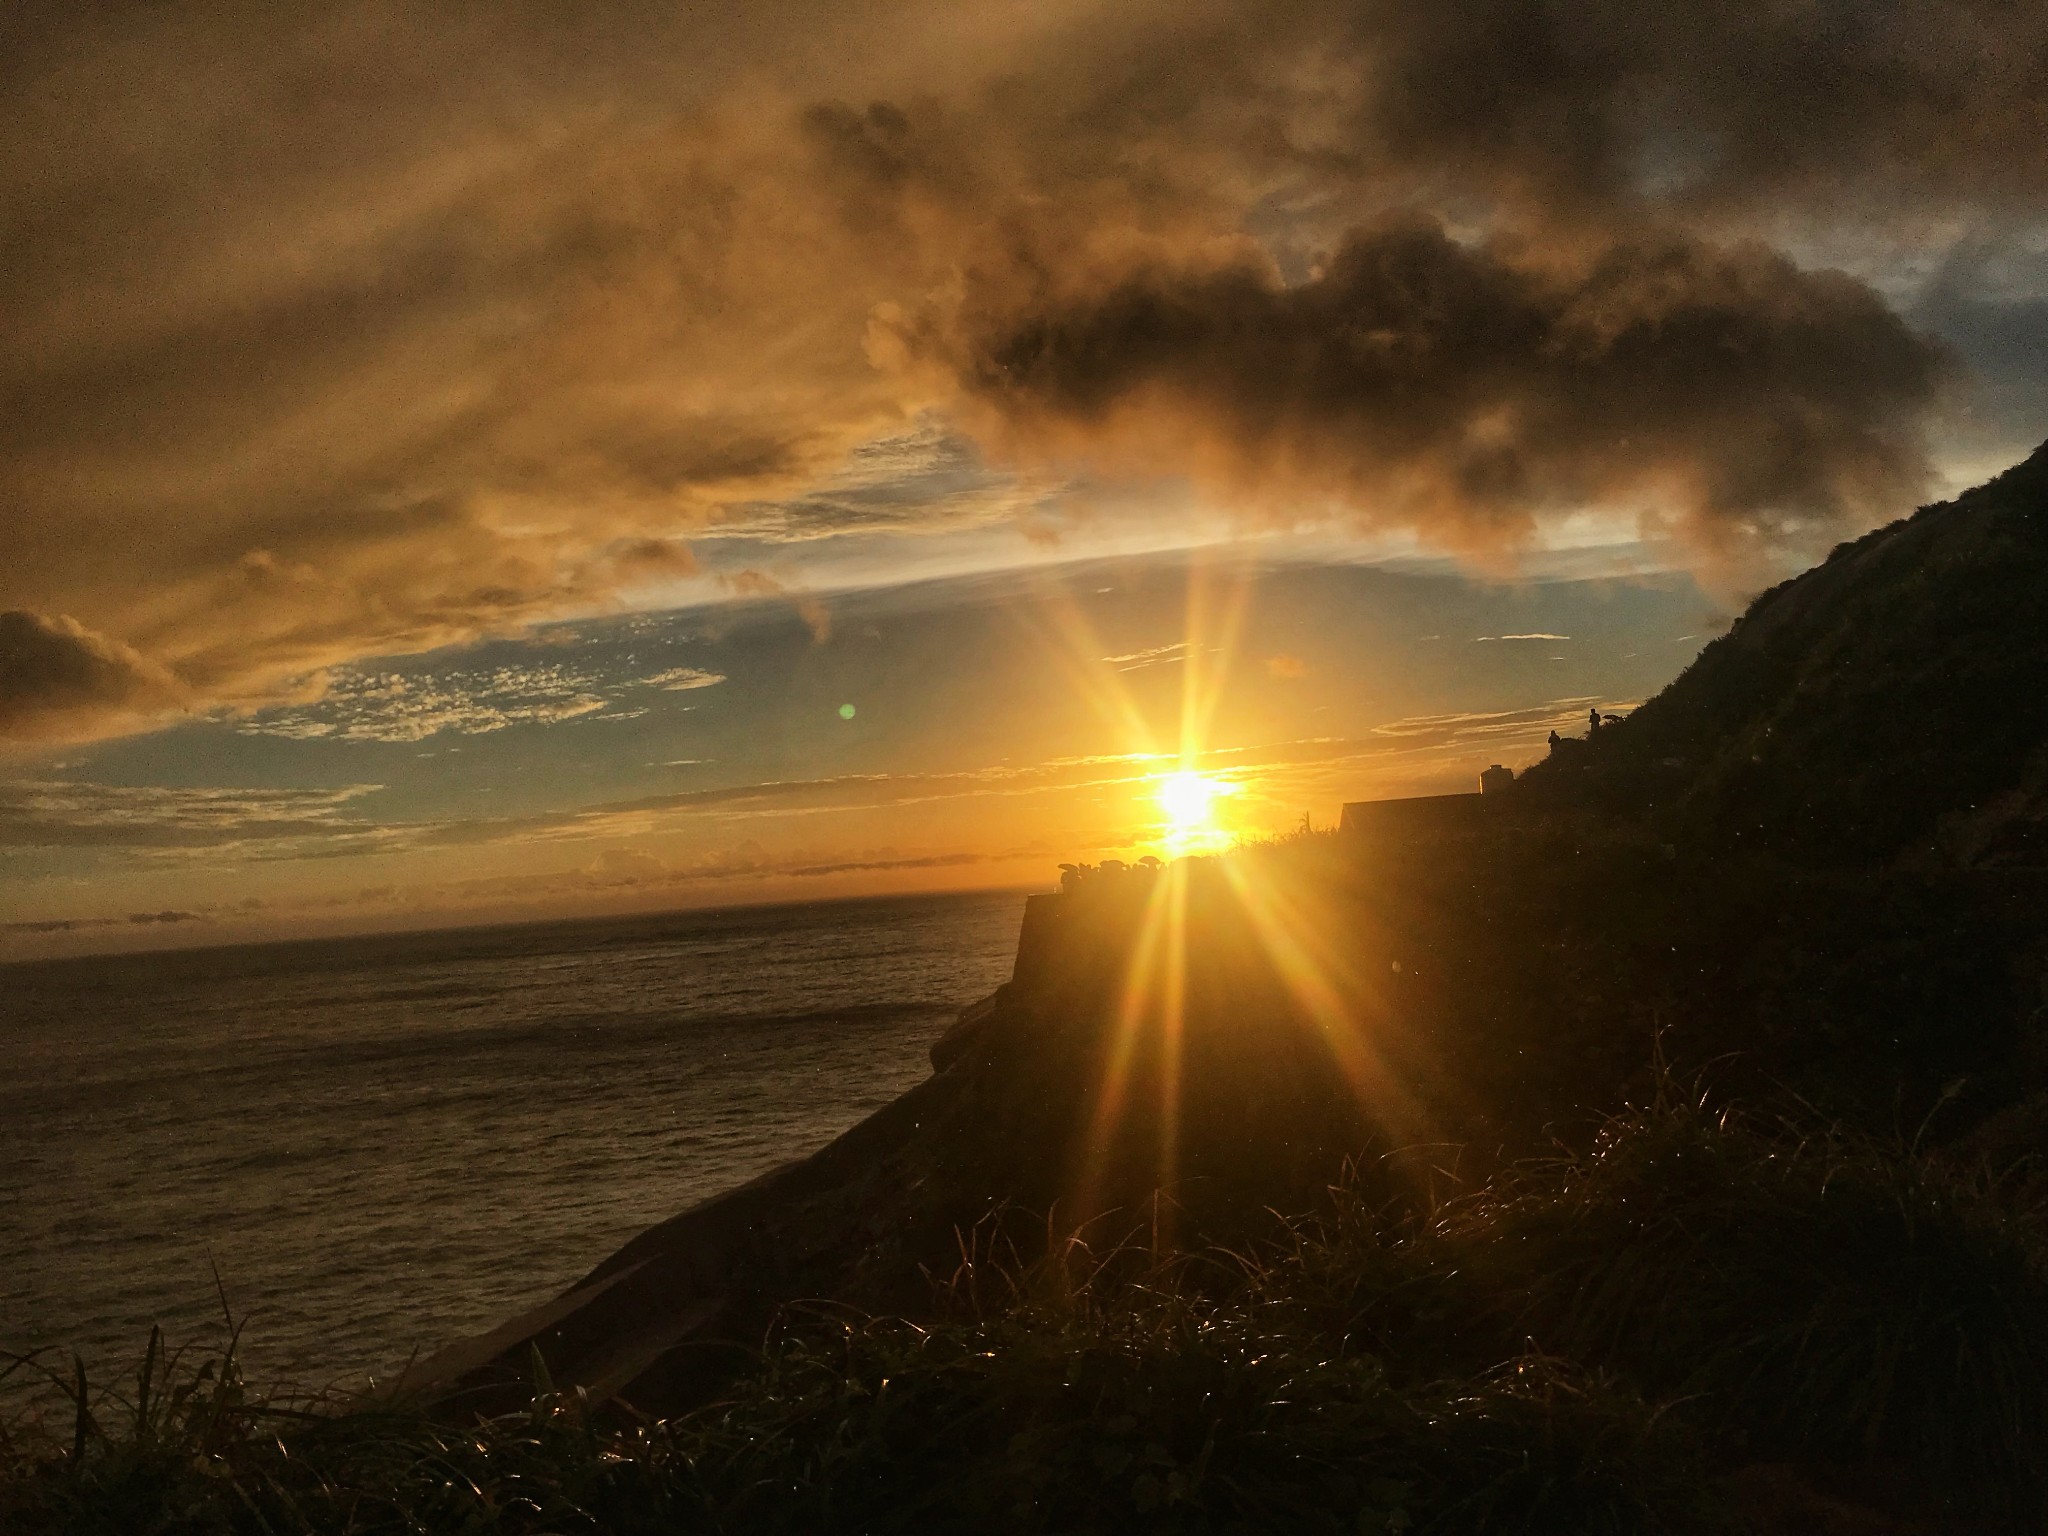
(380, 1144)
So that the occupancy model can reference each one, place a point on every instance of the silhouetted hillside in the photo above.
(1893, 701)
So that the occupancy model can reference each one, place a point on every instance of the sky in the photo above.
(460, 463)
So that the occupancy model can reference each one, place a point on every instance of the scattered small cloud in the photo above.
(683, 679)
(1285, 667)
(401, 707)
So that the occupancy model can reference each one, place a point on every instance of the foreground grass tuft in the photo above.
(1588, 1345)
(1820, 1294)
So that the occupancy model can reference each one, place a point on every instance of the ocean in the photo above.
(380, 1144)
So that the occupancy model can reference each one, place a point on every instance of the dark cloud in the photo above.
(60, 681)
(1991, 300)
(1464, 388)
(1699, 103)
(369, 327)
(1564, 108)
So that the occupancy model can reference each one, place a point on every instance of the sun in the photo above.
(1189, 800)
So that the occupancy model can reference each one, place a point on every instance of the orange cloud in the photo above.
(61, 682)
(382, 327)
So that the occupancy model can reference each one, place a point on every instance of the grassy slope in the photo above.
(1623, 1340)
(1856, 709)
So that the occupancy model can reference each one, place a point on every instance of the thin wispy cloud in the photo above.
(1475, 724)
(1153, 656)
(78, 924)
(59, 814)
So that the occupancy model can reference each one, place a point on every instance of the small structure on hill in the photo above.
(1495, 779)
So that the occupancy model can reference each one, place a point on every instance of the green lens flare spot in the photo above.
(846, 711)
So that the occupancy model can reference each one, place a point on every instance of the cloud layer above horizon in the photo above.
(347, 331)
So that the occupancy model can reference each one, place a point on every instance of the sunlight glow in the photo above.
(1189, 800)
(1283, 941)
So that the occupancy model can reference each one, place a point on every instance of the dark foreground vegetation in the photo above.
(1702, 1323)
